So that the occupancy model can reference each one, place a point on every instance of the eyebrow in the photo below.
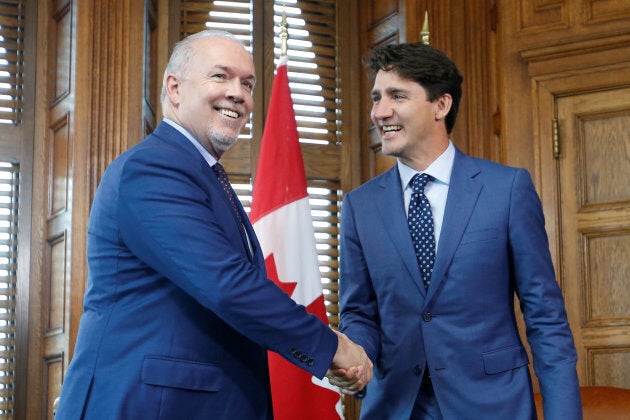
(230, 70)
(389, 91)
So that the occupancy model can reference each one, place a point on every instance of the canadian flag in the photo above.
(281, 216)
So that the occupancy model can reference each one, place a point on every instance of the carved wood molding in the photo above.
(115, 83)
(588, 45)
(582, 53)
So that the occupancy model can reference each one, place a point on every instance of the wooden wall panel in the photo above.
(61, 55)
(52, 378)
(605, 286)
(605, 171)
(59, 161)
(608, 366)
(59, 172)
(542, 15)
(55, 285)
(605, 11)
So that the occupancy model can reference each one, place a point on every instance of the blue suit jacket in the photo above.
(177, 317)
(492, 245)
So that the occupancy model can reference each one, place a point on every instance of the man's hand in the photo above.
(351, 368)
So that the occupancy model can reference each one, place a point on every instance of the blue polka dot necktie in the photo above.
(420, 220)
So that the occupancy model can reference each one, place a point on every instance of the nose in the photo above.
(234, 90)
(381, 110)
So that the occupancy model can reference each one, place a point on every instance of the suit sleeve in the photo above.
(542, 304)
(172, 219)
(357, 298)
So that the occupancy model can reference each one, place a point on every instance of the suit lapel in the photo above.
(251, 234)
(462, 197)
(170, 135)
(391, 207)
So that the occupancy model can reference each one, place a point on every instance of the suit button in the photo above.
(417, 370)
(304, 358)
(310, 362)
(427, 317)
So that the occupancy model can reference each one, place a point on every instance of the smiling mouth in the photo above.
(391, 128)
(229, 113)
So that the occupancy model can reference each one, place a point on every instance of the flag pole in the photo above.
(284, 34)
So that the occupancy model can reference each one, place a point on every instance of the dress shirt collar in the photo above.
(206, 155)
(440, 169)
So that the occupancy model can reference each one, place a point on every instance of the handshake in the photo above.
(351, 368)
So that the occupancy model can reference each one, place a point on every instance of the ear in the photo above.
(443, 106)
(173, 86)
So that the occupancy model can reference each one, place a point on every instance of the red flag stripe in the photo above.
(281, 161)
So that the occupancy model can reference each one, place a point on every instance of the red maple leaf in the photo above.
(272, 273)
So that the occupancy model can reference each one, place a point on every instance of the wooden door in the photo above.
(54, 171)
(569, 61)
(594, 180)
(590, 179)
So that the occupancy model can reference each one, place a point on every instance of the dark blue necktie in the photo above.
(225, 183)
(420, 220)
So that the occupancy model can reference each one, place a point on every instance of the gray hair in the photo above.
(182, 53)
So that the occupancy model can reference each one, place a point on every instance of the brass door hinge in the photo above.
(556, 139)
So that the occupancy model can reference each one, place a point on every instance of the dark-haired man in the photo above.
(433, 252)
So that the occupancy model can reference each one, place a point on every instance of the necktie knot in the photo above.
(419, 181)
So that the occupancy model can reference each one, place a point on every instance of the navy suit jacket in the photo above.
(177, 315)
(492, 246)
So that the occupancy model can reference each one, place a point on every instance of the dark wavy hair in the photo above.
(424, 64)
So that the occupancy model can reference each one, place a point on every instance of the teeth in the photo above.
(227, 112)
(388, 128)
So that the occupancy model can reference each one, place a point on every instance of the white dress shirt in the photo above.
(435, 191)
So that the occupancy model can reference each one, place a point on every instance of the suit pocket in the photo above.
(505, 359)
(479, 236)
(183, 374)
